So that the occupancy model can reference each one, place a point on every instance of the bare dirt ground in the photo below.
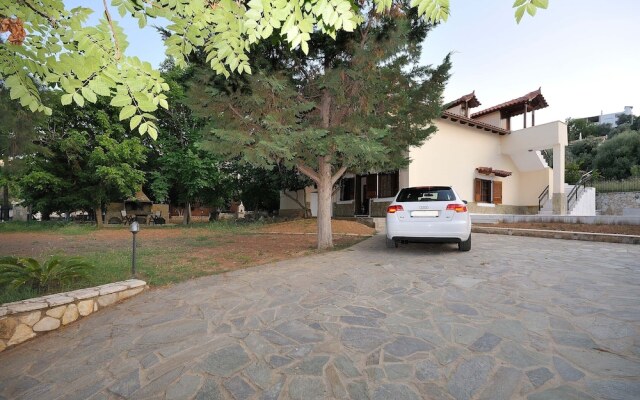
(591, 228)
(171, 254)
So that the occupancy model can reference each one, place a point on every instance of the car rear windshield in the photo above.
(430, 193)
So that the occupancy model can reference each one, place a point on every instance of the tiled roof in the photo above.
(140, 197)
(496, 172)
(470, 99)
(516, 106)
(473, 123)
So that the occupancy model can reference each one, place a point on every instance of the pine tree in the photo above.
(354, 103)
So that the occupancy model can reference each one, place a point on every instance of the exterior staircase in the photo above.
(581, 199)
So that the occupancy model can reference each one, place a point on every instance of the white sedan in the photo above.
(429, 214)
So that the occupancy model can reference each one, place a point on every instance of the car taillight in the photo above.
(457, 207)
(393, 209)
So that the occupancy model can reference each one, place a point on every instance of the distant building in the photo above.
(611, 119)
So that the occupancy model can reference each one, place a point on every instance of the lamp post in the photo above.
(135, 228)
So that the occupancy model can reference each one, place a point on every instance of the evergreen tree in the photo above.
(354, 103)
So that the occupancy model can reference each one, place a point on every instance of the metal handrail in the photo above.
(543, 195)
(575, 193)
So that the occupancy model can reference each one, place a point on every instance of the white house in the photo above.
(495, 169)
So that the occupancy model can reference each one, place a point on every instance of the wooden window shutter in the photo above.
(497, 192)
(477, 192)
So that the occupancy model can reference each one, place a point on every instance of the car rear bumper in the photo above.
(436, 232)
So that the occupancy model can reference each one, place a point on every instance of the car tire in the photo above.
(466, 245)
(391, 244)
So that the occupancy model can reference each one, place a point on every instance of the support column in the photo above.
(559, 197)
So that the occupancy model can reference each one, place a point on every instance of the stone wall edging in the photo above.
(26, 319)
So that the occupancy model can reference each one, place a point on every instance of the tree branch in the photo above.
(113, 31)
(308, 172)
(338, 174)
(51, 20)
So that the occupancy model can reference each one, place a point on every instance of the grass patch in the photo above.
(164, 256)
(63, 227)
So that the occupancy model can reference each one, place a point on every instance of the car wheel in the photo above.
(391, 244)
(466, 245)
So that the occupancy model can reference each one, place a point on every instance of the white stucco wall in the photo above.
(451, 156)
(586, 205)
(493, 119)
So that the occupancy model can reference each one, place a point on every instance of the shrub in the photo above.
(16, 272)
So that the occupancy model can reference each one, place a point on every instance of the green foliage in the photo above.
(88, 62)
(572, 173)
(292, 110)
(617, 156)
(89, 160)
(583, 152)
(181, 170)
(530, 6)
(16, 272)
(582, 128)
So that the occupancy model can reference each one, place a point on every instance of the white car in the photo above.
(429, 214)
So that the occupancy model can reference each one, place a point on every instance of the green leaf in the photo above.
(66, 99)
(518, 3)
(541, 3)
(120, 101)
(519, 13)
(531, 9)
(142, 129)
(135, 121)
(78, 99)
(163, 103)
(127, 112)
(153, 132)
(89, 94)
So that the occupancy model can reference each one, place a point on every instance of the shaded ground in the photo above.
(591, 228)
(514, 318)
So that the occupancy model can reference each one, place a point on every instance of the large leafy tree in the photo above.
(89, 160)
(179, 168)
(18, 131)
(354, 103)
(44, 42)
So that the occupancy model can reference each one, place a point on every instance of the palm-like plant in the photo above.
(57, 271)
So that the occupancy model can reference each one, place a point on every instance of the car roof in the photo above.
(429, 187)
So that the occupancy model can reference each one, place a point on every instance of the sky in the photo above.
(585, 54)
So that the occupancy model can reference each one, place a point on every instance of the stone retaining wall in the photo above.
(616, 203)
(23, 320)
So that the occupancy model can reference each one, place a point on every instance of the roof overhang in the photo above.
(461, 119)
(529, 102)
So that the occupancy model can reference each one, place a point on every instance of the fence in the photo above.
(626, 185)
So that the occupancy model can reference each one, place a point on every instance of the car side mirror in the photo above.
(465, 202)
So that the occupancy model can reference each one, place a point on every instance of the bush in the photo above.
(58, 271)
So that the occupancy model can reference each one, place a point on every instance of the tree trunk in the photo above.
(186, 216)
(325, 186)
(98, 212)
(5, 203)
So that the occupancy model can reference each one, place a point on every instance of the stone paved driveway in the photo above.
(514, 318)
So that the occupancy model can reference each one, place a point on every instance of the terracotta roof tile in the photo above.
(470, 99)
(516, 106)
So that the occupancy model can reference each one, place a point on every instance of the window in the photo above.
(346, 189)
(388, 184)
(488, 191)
(430, 193)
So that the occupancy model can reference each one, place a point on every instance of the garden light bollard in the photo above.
(135, 228)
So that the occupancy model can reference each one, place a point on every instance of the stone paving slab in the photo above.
(515, 318)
